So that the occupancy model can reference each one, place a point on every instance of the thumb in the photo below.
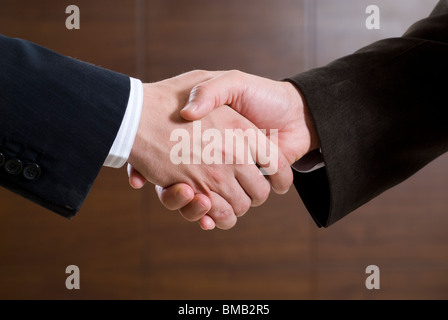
(136, 179)
(211, 94)
(200, 103)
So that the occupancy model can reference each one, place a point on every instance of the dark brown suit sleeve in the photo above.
(381, 115)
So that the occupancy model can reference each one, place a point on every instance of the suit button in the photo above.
(2, 159)
(13, 166)
(31, 171)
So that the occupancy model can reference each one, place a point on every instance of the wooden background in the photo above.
(128, 246)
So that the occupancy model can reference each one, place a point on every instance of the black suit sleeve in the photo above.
(381, 115)
(59, 118)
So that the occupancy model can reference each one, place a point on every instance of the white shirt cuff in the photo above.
(309, 162)
(121, 148)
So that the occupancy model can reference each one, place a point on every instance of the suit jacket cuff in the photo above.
(309, 162)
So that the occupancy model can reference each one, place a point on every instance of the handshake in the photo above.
(214, 143)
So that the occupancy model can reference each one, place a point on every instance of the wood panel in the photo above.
(262, 37)
(104, 239)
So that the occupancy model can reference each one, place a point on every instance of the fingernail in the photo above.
(190, 107)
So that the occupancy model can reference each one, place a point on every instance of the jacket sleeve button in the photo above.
(31, 171)
(13, 166)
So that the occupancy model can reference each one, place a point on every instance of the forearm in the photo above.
(379, 114)
(59, 112)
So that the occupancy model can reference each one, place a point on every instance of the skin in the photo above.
(216, 193)
(267, 103)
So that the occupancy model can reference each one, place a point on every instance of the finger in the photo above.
(196, 208)
(272, 163)
(186, 81)
(256, 186)
(282, 179)
(136, 180)
(207, 223)
(223, 89)
(221, 212)
(176, 196)
(231, 192)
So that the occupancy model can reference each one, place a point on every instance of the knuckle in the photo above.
(242, 206)
(218, 178)
(235, 73)
(202, 73)
(223, 214)
(198, 89)
(224, 218)
(262, 194)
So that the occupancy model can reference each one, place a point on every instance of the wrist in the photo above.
(309, 121)
(140, 145)
(150, 153)
(297, 101)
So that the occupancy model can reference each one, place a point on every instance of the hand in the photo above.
(268, 104)
(227, 190)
